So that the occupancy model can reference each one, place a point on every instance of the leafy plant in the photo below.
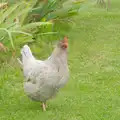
(11, 22)
(45, 10)
(37, 21)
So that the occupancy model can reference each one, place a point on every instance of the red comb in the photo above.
(66, 39)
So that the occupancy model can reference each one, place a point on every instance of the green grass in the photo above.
(93, 91)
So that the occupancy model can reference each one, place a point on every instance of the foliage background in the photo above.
(35, 22)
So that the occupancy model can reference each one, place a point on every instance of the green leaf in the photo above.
(10, 36)
(8, 12)
(34, 25)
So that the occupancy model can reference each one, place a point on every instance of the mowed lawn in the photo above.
(93, 91)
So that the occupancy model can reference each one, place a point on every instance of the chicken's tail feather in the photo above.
(26, 53)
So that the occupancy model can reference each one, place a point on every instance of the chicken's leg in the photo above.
(44, 106)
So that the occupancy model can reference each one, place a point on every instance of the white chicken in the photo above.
(43, 79)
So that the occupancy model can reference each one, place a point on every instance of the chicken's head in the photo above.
(64, 43)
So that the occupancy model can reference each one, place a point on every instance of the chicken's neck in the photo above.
(59, 57)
